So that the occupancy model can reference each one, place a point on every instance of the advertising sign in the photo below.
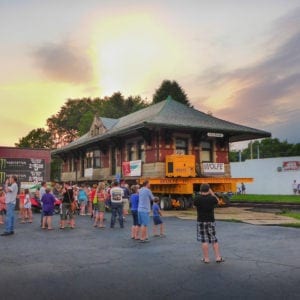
(132, 168)
(26, 169)
(213, 168)
(291, 166)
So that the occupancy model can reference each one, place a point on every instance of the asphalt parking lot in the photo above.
(262, 262)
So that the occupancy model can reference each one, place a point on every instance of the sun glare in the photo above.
(129, 51)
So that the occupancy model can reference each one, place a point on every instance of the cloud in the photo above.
(265, 94)
(63, 62)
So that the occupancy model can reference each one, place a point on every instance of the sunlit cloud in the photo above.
(64, 62)
(264, 94)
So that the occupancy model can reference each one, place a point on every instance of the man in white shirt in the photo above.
(11, 189)
(116, 196)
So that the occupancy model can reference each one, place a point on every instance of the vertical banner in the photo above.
(132, 168)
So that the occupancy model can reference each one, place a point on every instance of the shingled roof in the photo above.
(169, 114)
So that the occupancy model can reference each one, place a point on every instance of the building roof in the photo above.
(168, 114)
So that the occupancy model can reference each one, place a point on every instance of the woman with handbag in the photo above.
(67, 206)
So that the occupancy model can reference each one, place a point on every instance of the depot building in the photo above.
(138, 144)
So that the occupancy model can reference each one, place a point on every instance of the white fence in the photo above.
(271, 175)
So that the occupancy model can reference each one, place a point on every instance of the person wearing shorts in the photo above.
(48, 201)
(134, 202)
(99, 205)
(206, 227)
(144, 208)
(68, 198)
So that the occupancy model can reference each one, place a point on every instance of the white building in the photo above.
(271, 175)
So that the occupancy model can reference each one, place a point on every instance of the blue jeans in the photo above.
(116, 209)
(10, 217)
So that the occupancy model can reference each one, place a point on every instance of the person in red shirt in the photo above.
(21, 206)
(91, 198)
(2, 205)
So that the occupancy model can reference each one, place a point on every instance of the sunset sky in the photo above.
(238, 59)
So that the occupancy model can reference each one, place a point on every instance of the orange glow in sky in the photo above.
(238, 61)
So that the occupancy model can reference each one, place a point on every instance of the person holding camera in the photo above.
(11, 189)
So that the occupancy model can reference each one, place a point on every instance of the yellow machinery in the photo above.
(177, 189)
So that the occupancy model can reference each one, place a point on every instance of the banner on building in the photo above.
(132, 168)
(213, 168)
(291, 166)
(26, 169)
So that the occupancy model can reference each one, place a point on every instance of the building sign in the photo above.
(213, 168)
(26, 169)
(88, 172)
(291, 166)
(215, 134)
(132, 168)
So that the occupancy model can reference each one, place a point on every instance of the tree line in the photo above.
(265, 148)
(75, 118)
(76, 115)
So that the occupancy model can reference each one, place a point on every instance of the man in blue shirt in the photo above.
(144, 208)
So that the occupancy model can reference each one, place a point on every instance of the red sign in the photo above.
(291, 165)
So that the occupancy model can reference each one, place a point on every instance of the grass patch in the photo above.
(266, 198)
(291, 214)
(293, 225)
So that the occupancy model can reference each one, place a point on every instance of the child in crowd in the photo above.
(21, 206)
(48, 201)
(2, 205)
(157, 218)
(134, 202)
(27, 206)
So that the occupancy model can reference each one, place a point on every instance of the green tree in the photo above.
(267, 148)
(64, 126)
(36, 138)
(173, 89)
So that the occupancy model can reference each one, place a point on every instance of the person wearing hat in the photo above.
(206, 227)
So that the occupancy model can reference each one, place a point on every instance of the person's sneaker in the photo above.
(162, 235)
(6, 233)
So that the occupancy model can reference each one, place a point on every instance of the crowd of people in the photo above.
(94, 201)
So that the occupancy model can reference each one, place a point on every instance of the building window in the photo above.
(130, 152)
(181, 146)
(70, 164)
(89, 159)
(141, 151)
(96, 159)
(206, 151)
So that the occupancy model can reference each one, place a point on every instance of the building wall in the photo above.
(270, 176)
(162, 143)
